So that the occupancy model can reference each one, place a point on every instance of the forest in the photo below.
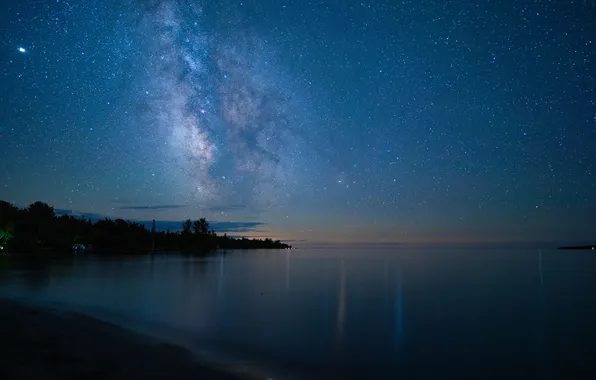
(37, 228)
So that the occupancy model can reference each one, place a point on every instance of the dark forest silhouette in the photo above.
(37, 228)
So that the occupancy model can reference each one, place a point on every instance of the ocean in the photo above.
(380, 313)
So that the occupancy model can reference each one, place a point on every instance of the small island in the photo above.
(579, 247)
(37, 228)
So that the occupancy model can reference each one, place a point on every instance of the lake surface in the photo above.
(379, 313)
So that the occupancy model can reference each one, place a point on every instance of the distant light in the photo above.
(22, 49)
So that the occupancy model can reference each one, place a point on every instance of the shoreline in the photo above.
(44, 343)
(578, 247)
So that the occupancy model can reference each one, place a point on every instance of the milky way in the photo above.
(215, 99)
(340, 121)
(176, 75)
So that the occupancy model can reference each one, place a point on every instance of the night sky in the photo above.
(310, 121)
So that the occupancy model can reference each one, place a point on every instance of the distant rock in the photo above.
(583, 247)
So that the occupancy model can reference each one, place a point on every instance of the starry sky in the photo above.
(309, 121)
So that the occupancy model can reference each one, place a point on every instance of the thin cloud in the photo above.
(236, 226)
(151, 207)
(86, 215)
(219, 227)
(171, 225)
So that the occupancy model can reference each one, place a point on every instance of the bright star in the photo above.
(22, 49)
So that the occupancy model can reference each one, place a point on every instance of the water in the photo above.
(412, 313)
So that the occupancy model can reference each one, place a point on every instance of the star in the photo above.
(222, 107)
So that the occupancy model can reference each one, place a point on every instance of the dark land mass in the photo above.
(37, 228)
(579, 247)
(44, 344)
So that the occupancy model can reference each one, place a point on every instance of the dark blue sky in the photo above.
(327, 121)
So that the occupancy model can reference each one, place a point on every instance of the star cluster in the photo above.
(335, 121)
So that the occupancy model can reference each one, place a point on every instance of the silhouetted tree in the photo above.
(196, 227)
(8, 213)
(40, 211)
(37, 228)
(204, 225)
(186, 226)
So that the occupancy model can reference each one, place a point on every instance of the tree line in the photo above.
(37, 228)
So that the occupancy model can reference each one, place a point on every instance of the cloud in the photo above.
(151, 208)
(219, 227)
(173, 225)
(236, 226)
(92, 215)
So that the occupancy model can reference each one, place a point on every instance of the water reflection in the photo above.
(220, 279)
(541, 323)
(36, 273)
(288, 269)
(360, 314)
(399, 331)
(341, 304)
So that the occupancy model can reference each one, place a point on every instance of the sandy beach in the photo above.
(38, 343)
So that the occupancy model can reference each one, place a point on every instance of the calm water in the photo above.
(345, 314)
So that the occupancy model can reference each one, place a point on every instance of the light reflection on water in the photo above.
(344, 314)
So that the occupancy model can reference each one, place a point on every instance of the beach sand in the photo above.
(40, 343)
